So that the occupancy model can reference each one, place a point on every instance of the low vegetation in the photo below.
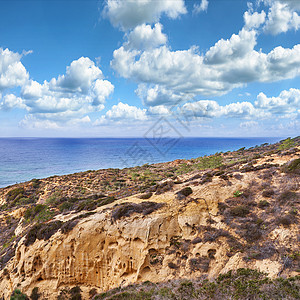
(243, 284)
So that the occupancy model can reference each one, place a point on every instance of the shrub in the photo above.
(196, 240)
(199, 264)
(268, 193)
(146, 196)
(263, 204)
(127, 209)
(286, 144)
(286, 220)
(75, 293)
(68, 226)
(185, 191)
(35, 183)
(34, 294)
(87, 204)
(237, 194)
(209, 162)
(42, 231)
(39, 212)
(105, 201)
(252, 232)
(171, 265)
(287, 196)
(15, 194)
(240, 211)
(164, 187)
(65, 206)
(18, 295)
(292, 167)
(92, 292)
(207, 177)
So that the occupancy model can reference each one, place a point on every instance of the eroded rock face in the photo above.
(103, 254)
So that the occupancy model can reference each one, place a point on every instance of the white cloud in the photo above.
(254, 20)
(80, 91)
(145, 37)
(282, 16)
(286, 104)
(238, 46)
(31, 122)
(211, 109)
(34, 122)
(248, 124)
(11, 101)
(197, 8)
(122, 112)
(169, 75)
(157, 95)
(78, 78)
(12, 71)
(128, 14)
(158, 110)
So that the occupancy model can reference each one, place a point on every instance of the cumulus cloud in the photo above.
(169, 75)
(254, 19)
(287, 103)
(282, 16)
(12, 71)
(122, 112)
(128, 14)
(11, 101)
(65, 100)
(158, 110)
(81, 90)
(78, 78)
(145, 37)
(236, 47)
(199, 7)
(211, 109)
(158, 95)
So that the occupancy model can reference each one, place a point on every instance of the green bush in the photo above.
(18, 295)
(237, 194)
(39, 213)
(15, 194)
(286, 144)
(292, 167)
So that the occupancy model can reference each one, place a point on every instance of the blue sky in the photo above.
(116, 67)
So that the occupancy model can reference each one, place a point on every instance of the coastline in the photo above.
(103, 229)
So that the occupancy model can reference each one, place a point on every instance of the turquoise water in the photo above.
(22, 159)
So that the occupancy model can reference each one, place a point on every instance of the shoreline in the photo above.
(120, 156)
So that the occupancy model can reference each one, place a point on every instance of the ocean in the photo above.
(23, 159)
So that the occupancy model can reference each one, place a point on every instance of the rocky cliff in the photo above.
(183, 219)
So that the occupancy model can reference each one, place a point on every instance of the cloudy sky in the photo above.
(116, 67)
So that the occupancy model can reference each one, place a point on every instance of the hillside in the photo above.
(170, 229)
